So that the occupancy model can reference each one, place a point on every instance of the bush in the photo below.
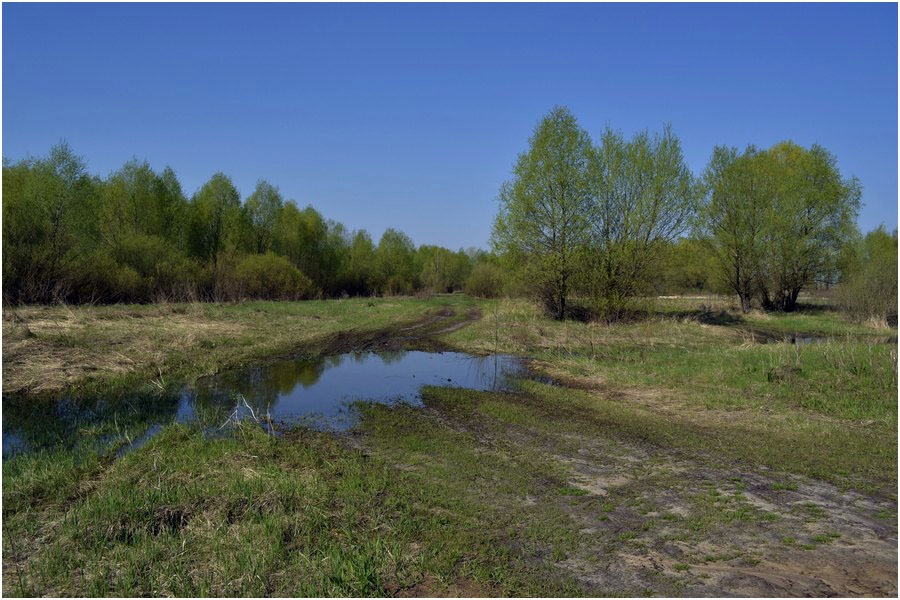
(485, 281)
(177, 279)
(165, 273)
(98, 277)
(272, 277)
(868, 290)
(398, 285)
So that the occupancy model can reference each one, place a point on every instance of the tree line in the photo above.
(136, 237)
(586, 227)
(604, 222)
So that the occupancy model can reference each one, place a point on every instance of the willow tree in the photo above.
(261, 213)
(215, 216)
(812, 215)
(734, 217)
(48, 211)
(544, 209)
(777, 220)
(394, 270)
(644, 197)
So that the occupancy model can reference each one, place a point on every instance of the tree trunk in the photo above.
(790, 300)
(745, 303)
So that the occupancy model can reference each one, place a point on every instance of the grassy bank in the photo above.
(707, 381)
(682, 456)
(104, 349)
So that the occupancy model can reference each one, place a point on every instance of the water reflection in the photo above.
(33, 425)
(318, 392)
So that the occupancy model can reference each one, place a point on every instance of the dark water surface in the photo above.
(318, 392)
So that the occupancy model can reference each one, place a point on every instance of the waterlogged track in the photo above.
(418, 335)
(51, 350)
(532, 489)
(632, 518)
(317, 391)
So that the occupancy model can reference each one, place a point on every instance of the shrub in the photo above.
(868, 290)
(98, 277)
(272, 277)
(177, 279)
(485, 281)
(398, 285)
(165, 273)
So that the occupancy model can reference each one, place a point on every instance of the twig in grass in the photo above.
(160, 383)
(228, 420)
(12, 541)
(250, 408)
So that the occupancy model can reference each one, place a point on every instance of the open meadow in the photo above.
(695, 450)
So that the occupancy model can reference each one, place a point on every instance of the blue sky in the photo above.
(411, 116)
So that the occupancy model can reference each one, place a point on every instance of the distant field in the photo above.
(48, 349)
(694, 451)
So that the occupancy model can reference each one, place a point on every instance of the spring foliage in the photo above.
(777, 220)
(136, 237)
(593, 220)
(599, 224)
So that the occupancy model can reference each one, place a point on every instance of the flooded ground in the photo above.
(318, 392)
(802, 339)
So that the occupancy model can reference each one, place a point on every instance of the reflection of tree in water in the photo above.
(390, 357)
(67, 421)
(496, 372)
(262, 386)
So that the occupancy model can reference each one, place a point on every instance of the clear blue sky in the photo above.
(411, 116)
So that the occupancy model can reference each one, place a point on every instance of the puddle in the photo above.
(770, 337)
(318, 393)
(321, 392)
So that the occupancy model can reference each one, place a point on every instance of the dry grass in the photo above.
(49, 349)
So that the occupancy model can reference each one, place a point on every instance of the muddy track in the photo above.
(653, 521)
(418, 335)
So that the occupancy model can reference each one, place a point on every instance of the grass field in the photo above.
(107, 349)
(687, 453)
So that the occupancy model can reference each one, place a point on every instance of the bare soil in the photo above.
(649, 521)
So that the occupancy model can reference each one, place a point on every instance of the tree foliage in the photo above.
(545, 208)
(644, 197)
(135, 237)
(578, 224)
(868, 285)
(777, 219)
(593, 220)
(46, 201)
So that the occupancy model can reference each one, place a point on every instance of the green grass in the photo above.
(254, 515)
(717, 367)
(667, 430)
(121, 349)
(827, 410)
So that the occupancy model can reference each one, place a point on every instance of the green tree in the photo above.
(644, 197)
(544, 217)
(812, 213)
(777, 220)
(272, 277)
(395, 267)
(442, 270)
(335, 258)
(485, 281)
(868, 286)
(361, 263)
(215, 215)
(48, 207)
(734, 217)
(687, 267)
(302, 237)
(261, 212)
(140, 221)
